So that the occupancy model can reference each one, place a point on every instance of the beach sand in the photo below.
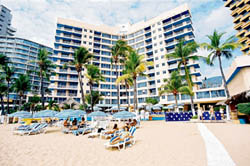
(236, 140)
(157, 143)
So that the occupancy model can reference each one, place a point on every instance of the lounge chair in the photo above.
(40, 129)
(130, 140)
(25, 129)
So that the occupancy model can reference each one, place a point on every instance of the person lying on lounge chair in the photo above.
(82, 123)
(74, 125)
(66, 123)
(115, 128)
(134, 123)
(125, 134)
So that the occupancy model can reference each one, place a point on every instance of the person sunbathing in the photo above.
(125, 134)
(66, 123)
(74, 125)
(134, 123)
(82, 123)
(115, 128)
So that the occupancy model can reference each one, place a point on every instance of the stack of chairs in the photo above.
(206, 116)
(175, 116)
(218, 116)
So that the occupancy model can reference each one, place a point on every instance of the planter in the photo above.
(193, 120)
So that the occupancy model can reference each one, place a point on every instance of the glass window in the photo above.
(201, 95)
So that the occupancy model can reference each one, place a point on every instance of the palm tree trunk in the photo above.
(127, 93)
(176, 102)
(2, 105)
(135, 95)
(42, 90)
(223, 77)
(91, 97)
(80, 80)
(118, 88)
(20, 102)
(8, 97)
(192, 105)
(189, 81)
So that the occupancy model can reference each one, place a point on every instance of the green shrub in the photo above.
(195, 117)
(244, 108)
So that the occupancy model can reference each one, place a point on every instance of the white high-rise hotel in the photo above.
(154, 38)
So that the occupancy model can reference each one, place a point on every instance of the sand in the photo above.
(236, 139)
(157, 143)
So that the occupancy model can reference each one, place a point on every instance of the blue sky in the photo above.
(36, 19)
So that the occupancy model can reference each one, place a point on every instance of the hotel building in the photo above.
(5, 22)
(21, 52)
(154, 38)
(241, 14)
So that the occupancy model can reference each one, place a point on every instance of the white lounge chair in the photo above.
(129, 140)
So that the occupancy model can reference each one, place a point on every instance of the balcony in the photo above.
(61, 94)
(227, 4)
(72, 94)
(153, 86)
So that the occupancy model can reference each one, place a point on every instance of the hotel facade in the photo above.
(153, 38)
(241, 14)
(21, 52)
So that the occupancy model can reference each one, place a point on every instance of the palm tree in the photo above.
(94, 77)
(52, 105)
(218, 49)
(34, 100)
(93, 98)
(119, 52)
(21, 86)
(3, 90)
(9, 72)
(45, 70)
(173, 85)
(81, 58)
(184, 52)
(127, 82)
(4, 60)
(136, 66)
(151, 101)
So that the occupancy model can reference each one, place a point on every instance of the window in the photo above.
(164, 72)
(156, 58)
(85, 30)
(91, 31)
(153, 25)
(157, 73)
(158, 81)
(90, 43)
(154, 38)
(157, 65)
(155, 44)
(156, 51)
(161, 43)
(153, 31)
(218, 93)
(85, 36)
(201, 95)
(141, 85)
(162, 56)
(159, 29)
(163, 64)
(160, 36)
(106, 35)
(162, 49)
(90, 37)
(159, 23)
